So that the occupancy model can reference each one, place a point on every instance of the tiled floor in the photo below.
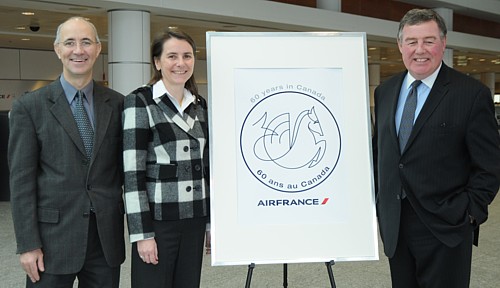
(485, 269)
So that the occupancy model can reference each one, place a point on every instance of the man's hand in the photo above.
(148, 251)
(32, 262)
(472, 220)
(208, 244)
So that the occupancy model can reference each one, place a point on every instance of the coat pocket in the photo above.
(48, 215)
(161, 171)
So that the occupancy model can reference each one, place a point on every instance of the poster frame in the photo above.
(234, 243)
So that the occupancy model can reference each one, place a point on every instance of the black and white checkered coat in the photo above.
(165, 160)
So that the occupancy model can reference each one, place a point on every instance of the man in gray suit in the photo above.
(65, 180)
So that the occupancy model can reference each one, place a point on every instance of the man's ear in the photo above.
(99, 48)
(56, 49)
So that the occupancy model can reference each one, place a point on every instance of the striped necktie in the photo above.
(408, 116)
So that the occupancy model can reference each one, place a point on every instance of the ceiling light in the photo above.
(497, 98)
(20, 28)
(27, 13)
(25, 39)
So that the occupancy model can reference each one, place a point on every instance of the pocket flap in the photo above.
(48, 215)
(161, 171)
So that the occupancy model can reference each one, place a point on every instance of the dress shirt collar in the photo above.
(429, 81)
(159, 90)
(70, 91)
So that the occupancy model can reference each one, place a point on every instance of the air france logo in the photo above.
(290, 141)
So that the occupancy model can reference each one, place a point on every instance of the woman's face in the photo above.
(176, 62)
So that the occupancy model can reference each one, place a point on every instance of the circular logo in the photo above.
(290, 141)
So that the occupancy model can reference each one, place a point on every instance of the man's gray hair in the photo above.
(418, 16)
(58, 33)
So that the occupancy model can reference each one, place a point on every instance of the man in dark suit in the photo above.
(66, 185)
(438, 160)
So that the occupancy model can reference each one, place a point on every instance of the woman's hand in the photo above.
(148, 251)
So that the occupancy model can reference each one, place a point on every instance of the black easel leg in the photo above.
(285, 275)
(249, 275)
(330, 273)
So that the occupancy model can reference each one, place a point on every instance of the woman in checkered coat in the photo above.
(165, 149)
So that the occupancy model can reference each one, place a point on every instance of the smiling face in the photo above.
(422, 48)
(176, 62)
(78, 50)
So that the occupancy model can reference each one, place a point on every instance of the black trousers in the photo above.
(180, 255)
(95, 272)
(421, 260)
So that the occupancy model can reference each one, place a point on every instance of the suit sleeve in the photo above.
(483, 142)
(135, 148)
(23, 162)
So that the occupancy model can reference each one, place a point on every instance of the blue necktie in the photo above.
(83, 123)
(408, 116)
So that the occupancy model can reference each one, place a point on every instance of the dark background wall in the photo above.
(394, 11)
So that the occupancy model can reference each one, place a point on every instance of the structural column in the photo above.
(128, 49)
(488, 79)
(332, 5)
(447, 15)
(374, 80)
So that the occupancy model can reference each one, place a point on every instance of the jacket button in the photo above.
(186, 148)
(197, 167)
(401, 166)
(89, 187)
(188, 188)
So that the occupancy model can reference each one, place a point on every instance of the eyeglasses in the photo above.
(73, 43)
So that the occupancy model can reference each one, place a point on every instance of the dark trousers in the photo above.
(95, 272)
(180, 256)
(421, 260)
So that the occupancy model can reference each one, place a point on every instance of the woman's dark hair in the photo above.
(157, 50)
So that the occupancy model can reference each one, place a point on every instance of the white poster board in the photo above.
(290, 139)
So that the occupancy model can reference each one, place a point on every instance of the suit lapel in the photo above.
(102, 117)
(436, 95)
(394, 98)
(62, 112)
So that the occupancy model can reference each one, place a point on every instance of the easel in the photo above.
(285, 274)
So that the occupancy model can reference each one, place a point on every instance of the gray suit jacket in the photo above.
(53, 185)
